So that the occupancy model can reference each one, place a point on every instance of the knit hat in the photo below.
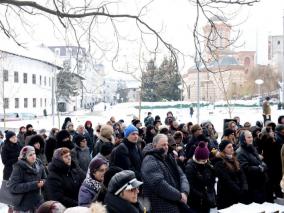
(26, 151)
(228, 132)
(51, 206)
(130, 129)
(95, 164)
(9, 134)
(58, 153)
(78, 138)
(61, 135)
(124, 180)
(201, 152)
(223, 145)
(106, 131)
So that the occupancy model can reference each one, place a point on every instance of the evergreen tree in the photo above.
(160, 84)
(67, 85)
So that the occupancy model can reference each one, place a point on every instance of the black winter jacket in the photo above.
(232, 184)
(63, 182)
(10, 153)
(201, 178)
(127, 156)
(116, 204)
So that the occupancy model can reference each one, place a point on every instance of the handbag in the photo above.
(5, 194)
(7, 197)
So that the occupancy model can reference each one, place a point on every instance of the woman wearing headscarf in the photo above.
(254, 168)
(64, 178)
(26, 181)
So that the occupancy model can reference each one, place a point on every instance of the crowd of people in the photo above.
(158, 167)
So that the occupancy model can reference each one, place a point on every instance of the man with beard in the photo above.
(165, 184)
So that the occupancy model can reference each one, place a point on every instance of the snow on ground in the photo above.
(126, 111)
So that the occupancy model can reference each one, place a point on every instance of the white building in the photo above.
(77, 61)
(26, 80)
(275, 52)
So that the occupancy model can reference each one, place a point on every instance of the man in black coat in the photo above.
(127, 155)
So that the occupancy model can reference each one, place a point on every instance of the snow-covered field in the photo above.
(126, 111)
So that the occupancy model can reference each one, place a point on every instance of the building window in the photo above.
(25, 78)
(5, 75)
(17, 103)
(45, 102)
(34, 78)
(40, 80)
(34, 102)
(16, 77)
(40, 102)
(6, 103)
(25, 103)
(49, 82)
(44, 80)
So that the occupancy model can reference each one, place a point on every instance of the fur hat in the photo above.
(130, 129)
(78, 209)
(201, 152)
(106, 131)
(36, 139)
(9, 134)
(223, 145)
(61, 135)
(25, 151)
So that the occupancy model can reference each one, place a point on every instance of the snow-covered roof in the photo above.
(39, 52)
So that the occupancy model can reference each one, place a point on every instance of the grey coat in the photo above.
(23, 180)
(164, 181)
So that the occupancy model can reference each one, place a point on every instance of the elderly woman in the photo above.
(64, 178)
(26, 181)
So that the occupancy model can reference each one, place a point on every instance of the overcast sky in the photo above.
(175, 20)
